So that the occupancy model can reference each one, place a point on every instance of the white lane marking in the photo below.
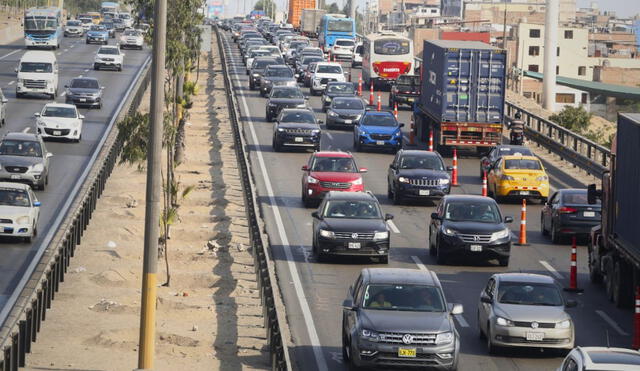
(611, 322)
(8, 54)
(66, 50)
(12, 82)
(26, 130)
(63, 94)
(551, 269)
(393, 227)
(72, 46)
(330, 135)
(321, 363)
(459, 317)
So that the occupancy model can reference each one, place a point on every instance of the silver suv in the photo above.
(400, 318)
(24, 159)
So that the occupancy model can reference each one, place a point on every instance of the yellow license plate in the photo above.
(407, 352)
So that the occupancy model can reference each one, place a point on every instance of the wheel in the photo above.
(96, 67)
(503, 262)
(19, 95)
(544, 231)
(345, 348)
(28, 239)
(120, 69)
(251, 85)
(491, 349)
(356, 145)
(389, 192)
(52, 96)
(99, 106)
(555, 234)
(440, 258)
(622, 290)
(353, 366)
(595, 275)
(432, 248)
(320, 257)
(268, 117)
(87, 41)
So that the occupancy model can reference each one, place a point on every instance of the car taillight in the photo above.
(567, 210)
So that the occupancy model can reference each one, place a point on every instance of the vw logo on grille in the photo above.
(407, 338)
(476, 238)
(534, 325)
(354, 235)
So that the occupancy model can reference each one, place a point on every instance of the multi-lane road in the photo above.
(70, 160)
(313, 292)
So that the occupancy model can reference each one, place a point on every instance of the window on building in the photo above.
(585, 98)
(534, 50)
(558, 51)
(582, 71)
(565, 98)
(534, 33)
(568, 34)
(533, 68)
(557, 70)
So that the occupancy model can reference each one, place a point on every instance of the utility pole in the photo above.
(352, 9)
(504, 27)
(550, 54)
(152, 208)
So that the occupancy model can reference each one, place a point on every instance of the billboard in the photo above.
(215, 8)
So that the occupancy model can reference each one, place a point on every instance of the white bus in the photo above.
(385, 56)
(43, 27)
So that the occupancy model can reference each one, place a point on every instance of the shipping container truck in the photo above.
(295, 10)
(462, 94)
(614, 245)
(310, 21)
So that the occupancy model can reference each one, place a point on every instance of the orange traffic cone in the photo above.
(431, 140)
(636, 322)
(371, 98)
(395, 110)
(360, 85)
(484, 184)
(454, 173)
(522, 241)
(412, 135)
(379, 103)
(573, 272)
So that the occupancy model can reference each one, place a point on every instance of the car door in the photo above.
(484, 309)
(434, 225)
(493, 175)
(393, 172)
(354, 294)
(305, 174)
(554, 205)
(547, 211)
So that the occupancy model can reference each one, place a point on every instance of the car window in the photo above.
(350, 104)
(329, 69)
(576, 198)
(14, 197)
(526, 293)
(84, 84)
(74, 23)
(522, 164)
(287, 93)
(408, 80)
(40, 67)
(334, 164)
(28, 148)
(472, 211)
(614, 357)
(420, 162)
(109, 51)
(298, 116)
(64, 112)
(379, 120)
(260, 64)
(490, 287)
(415, 298)
(278, 72)
(513, 151)
(361, 209)
(554, 199)
(341, 88)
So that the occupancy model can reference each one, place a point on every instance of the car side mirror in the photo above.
(363, 169)
(306, 97)
(508, 219)
(37, 114)
(457, 309)
(5, 100)
(571, 303)
(388, 216)
(16, 69)
(81, 117)
(484, 298)
(435, 216)
(36, 203)
(401, 125)
(66, 86)
(593, 194)
(305, 168)
(49, 155)
(449, 168)
(102, 88)
(316, 215)
(296, 76)
(348, 304)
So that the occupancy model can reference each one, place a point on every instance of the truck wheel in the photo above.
(595, 275)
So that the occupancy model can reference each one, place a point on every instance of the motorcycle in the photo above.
(517, 139)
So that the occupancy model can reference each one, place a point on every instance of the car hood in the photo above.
(350, 112)
(298, 125)
(474, 227)
(58, 122)
(405, 321)
(286, 101)
(74, 28)
(98, 33)
(337, 76)
(354, 225)
(330, 176)
(83, 91)
(423, 173)
(530, 313)
(380, 129)
(8, 160)
(13, 211)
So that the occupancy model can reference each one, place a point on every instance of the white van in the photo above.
(37, 74)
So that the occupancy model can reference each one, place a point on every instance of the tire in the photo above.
(503, 262)
(345, 349)
(622, 291)
(556, 238)
(320, 257)
(19, 95)
(389, 193)
(268, 117)
(99, 106)
(595, 275)
(432, 248)
(356, 145)
(275, 145)
(397, 198)
(96, 67)
(491, 349)
(87, 42)
(251, 85)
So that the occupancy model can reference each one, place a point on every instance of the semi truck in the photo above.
(462, 95)
(310, 21)
(295, 10)
(614, 245)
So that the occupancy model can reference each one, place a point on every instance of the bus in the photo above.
(96, 17)
(335, 26)
(43, 27)
(385, 56)
(109, 7)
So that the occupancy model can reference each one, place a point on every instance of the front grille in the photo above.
(335, 185)
(6, 221)
(289, 105)
(392, 358)
(299, 131)
(16, 169)
(380, 136)
(62, 131)
(354, 235)
(108, 59)
(475, 238)
(528, 324)
(326, 80)
(418, 339)
(521, 340)
(35, 84)
(424, 182)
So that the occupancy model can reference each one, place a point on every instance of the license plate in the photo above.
(299, 140)
(524, 193)
(424, 192)
(476, 248)
(380, 142)
(535, 336)
(82, 100)
(589, 214)
(57, 132)
(15, 176)
(354, 245)
(407, 352)
(347, 121)
(409, 99)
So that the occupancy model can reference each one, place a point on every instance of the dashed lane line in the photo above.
(26, 130)
(611, 323)
(12, 82)
(8, 54)
(393, 227)
(551, 269)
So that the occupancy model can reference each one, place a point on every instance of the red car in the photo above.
(330, 171)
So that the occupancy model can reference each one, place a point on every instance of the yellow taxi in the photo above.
(518, 176)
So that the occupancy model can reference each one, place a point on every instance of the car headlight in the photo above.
(328, 99)
(564, 324)
(398, 133)
(500, 235)
(370, 335)
(312, 180)
(326, 233)
(302, 105)
(542, 178)
(500, 321)
(403, 179)
(331, 114)
(272, 104)
(38, 168)
(506, 177)
(443, 181)
(41, 123)
(444, 338)
(267, 82)
(381, 235)
(280, 130)
(357, 181)
(358, 117)
(22, 219)
(315, 131)
(20, 81)
(448, 231)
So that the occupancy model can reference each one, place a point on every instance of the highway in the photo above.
(313, 292)
(75, 58)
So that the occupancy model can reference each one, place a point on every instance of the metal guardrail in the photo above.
(22, 316)
(275, 321)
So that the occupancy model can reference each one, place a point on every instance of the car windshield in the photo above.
(74, 23)
(391, 47)
(64, 112)
(576, 198)
(526, 293)
(109, 51)
(379, 120)
(614, 357)
(361, 209)
(351, 104)
(508, 151)
(472, 211)
(28, 148)
(14, 197)
(86, 20)
(132, 33)
(329, 69)
(279, 72)
(84, 84)
(287, 93)
(409, 80)
(36, 67)
(345, 42)
(522, 164)
(414, 298)
(317, 52)
(334, 165)
(97, 28)
(298, 116)
(420, 162)
(263, 64)
(296, 44)
(341, 88)
(307, 60)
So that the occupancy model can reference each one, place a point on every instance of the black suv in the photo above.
(296, 128)
(417, 175)
(350, 223)
(257, 69)
(284, 97)
(469, 226)
(399, 317)
(276, 75)
(404, 90)
(336, 89)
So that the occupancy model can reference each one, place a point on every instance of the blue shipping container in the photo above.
(463, 81)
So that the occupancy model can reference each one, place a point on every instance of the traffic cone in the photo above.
(636, 322)
(454, 173)
(573, 273)
(395, 110)
(522, 240)
(379, 103)
(431, 140)
(412, 135)
(484, 184)
(371, 98)
(360, 85)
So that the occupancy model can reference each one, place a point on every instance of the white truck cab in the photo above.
(37, 74)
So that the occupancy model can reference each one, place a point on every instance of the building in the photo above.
(452, 8)
(494, 10)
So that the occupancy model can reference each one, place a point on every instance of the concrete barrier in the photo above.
(10, 33)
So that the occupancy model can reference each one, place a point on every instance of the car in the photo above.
(59, 120)
(328, 171)
(336, 89)
(568, 213)
(3, 108)
(255, 54)
(110, 28)
(276, 75)
(24, 159)
(284, 97)
(109, 57)
(344, 112)
(405, 89)
(87, 22)
(132, 39)
(518, 176)
(307, 70)
(143, 27)
(498, 151)
(251, 47)
(350, 224)
(119, 24)
(84, 91)
(356, 59)
(20, 210)
(275, 52)
(342, 49)
(97, 34)
(601, 359)
(311, 50)
(292, 49)
(126, 17)
(73, 28)
(253, 41)
(378, 129)
(416, 175)
(469, 226)
(257, 69)
(296, 128)
(323, 74)
(524, 310)
(399, 318)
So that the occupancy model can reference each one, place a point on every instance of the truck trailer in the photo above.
(310, 21)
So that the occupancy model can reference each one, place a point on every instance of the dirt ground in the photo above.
(211, 316)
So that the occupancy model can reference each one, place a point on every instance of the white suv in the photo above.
(131, 39)
(342, 49)
(323, 73)
(20, 210)
(58, 120)
(109, 57)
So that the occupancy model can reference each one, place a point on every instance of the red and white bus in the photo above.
(385, 56)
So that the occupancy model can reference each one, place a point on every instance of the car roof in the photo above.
(84, 78)
(278, 66)
(333, 154)
(517, 157)
(297, 110)
(405, 276)
(610, 359)
(339, 83)
(14, 185)
(524, 277)
(21, 136)
(572, 190)
(38, 56)
(468, 198)
(512, 146)
(281, 87)
(329, 64)
(109, 47)
(62, 105)
(342, 195)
